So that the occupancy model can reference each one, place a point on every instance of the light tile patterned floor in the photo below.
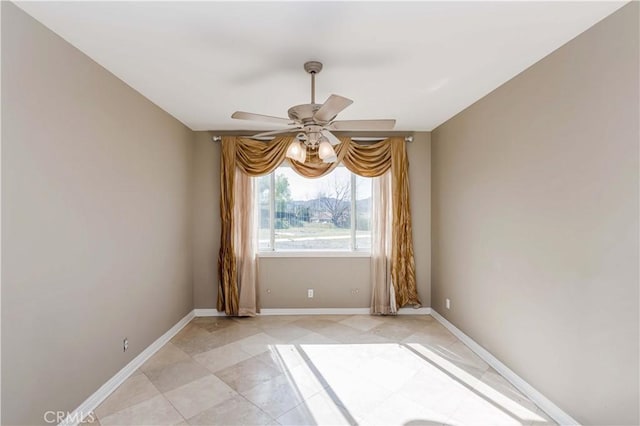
(317, 370)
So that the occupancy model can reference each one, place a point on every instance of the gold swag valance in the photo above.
(255, 158)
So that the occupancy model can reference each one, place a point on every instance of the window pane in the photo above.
(264, 213)
(312, 214)
(298, 213)
(363, 213)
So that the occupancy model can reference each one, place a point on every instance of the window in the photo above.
(330, 213)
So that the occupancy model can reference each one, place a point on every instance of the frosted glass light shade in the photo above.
(292, 151)
(297, 151)
(302, 155)
(331, 159)
(326, 152)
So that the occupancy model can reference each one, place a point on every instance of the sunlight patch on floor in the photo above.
(400, 384)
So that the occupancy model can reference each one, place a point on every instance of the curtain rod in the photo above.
(364, 138)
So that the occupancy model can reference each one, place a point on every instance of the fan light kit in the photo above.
(314, 122)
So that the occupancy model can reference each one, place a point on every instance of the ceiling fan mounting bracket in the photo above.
(313, 67)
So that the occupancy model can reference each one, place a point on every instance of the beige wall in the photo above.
(535, 223)
(206, 220)
(284, 281)
(96, 220)
(419, 152)
(332, 279)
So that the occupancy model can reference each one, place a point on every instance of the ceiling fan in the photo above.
(314, 122)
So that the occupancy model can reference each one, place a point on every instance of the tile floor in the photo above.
(317, 370)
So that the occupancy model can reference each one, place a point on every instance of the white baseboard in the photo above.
(555, 412)
(315, 311)
(208, 313)
(112, 384)
(414, 311)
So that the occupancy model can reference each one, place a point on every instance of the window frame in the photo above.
(353, 251)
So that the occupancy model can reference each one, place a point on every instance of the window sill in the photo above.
(311, 253)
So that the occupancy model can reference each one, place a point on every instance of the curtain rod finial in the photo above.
(408, 139)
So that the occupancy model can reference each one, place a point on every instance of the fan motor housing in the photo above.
(303, 113)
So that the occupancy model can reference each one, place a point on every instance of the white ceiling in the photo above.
(418, 62)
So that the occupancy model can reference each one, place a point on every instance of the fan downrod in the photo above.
(313, 68)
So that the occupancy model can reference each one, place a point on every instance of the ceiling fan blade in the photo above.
(241, 115)
(362, 125)
(332, 107)
(275, 132)
(333, 140)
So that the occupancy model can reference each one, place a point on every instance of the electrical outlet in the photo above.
(447, 303)
(310, 293)
(355, 291)
(125, 344)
